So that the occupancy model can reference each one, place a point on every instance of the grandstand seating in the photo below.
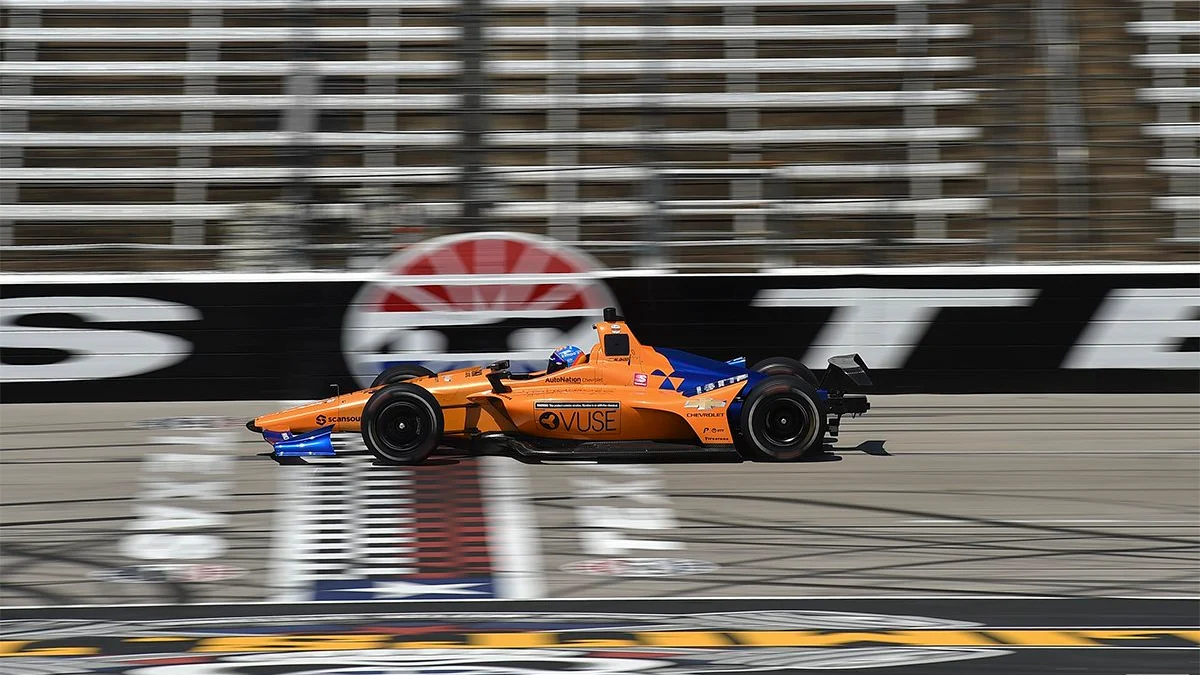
(694, 124)
(1176, 128)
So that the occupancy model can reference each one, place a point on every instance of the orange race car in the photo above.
(622, 398)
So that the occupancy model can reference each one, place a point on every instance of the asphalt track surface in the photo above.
(611, 638)
(926, 496)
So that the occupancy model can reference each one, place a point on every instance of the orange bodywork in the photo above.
(606, 398)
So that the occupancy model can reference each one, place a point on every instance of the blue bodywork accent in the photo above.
(315, 443)
(274, 437)
(740, 362)
(734, 413)
(698, 371)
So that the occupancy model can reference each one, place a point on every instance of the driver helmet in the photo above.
(564, 357)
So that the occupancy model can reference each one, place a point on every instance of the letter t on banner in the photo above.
(884, 325)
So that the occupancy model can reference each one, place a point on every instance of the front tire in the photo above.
(401, 373)
(402, 423)
(782, 419)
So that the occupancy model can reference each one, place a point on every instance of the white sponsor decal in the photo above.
(608, 405)
(721, 383)
(1140, 328)
(704, 403)
(472, 298)
(884, 325)
(92, 350)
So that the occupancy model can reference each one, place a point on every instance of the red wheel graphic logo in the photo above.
(469, 299)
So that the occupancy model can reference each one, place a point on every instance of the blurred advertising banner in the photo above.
(479, 298)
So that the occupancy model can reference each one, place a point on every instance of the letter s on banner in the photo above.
(1142, 328)
(92, 352)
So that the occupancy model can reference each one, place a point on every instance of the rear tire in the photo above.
(402, 423)
(782, 419)
(782, 365)
(400, 373)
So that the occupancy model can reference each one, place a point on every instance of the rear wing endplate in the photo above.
(846, 368)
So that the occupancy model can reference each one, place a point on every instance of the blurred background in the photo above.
(158, 135)
(1040, 422)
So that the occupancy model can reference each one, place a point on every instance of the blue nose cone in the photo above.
(316, 443)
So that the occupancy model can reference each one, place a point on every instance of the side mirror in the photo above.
(610, 315)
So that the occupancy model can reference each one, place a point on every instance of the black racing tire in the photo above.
(782, 419)
(400, 373)
(402, 423)
(783, 365)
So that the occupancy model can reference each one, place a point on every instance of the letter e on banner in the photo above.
(1141, 328)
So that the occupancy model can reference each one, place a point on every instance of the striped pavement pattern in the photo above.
(362, 531)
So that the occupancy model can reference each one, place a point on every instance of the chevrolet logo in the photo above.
(704, 403)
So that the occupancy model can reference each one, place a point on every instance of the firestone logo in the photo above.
(464, 300)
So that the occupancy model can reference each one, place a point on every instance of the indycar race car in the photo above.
(622, 398)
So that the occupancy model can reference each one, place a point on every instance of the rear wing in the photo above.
(846, 369)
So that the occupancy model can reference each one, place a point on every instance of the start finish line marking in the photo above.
(1125, 638)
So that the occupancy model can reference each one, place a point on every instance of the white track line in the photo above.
(287, 583)
(512, 529)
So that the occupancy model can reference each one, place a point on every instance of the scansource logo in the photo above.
(475, 298)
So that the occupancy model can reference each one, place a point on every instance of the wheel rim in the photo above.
(401, 426)
(785, 421)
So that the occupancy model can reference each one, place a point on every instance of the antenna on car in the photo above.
(610, 315)
(337, 389)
